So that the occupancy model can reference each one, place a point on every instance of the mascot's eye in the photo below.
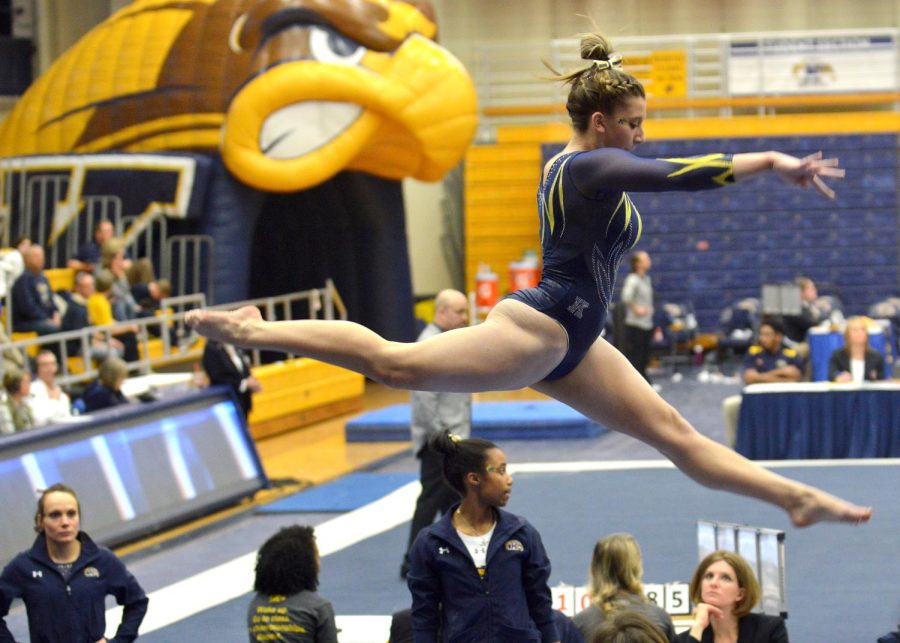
(331, 47)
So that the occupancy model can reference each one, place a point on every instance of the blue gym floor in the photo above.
(841, 580)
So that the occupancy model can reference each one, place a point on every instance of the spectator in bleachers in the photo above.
(100, 313)
(33, 307)
(78, 316)
(637, 295)
(146, 289)
(48, 402)
(15, 414)
(106, 390)
(615, 586)
(724, 590)
(453, 582)
(628, 627)
(12, 358)
(856, 361)
(286, 601)
(12, 264)
(797, 326)
(113, 259)
(767, 362)
(89, 254)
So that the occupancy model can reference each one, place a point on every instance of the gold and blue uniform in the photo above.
(589, 223)
(763, 361)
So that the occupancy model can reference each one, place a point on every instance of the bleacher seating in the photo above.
(763, 230)
(738, 324)
(679, 327)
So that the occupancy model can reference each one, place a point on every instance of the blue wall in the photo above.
(763, 230)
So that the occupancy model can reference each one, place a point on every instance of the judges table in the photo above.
(819, 420)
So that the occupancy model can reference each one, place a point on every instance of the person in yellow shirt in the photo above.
(100, 313)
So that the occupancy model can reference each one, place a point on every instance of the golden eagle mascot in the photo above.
(280, 129)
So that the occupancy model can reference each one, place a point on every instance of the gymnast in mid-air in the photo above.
(548, 337)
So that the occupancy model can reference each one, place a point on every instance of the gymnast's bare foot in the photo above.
(230, 327)
(813, 505)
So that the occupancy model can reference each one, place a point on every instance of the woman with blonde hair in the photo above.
(724, 590)
(856, 361)
(106, 390)
(548, 337)
(615, 586)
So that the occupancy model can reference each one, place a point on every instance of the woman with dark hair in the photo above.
(65, 577)
(479, 573)
(287, 606)
(615, 586)
(548, 337)
(724, 590)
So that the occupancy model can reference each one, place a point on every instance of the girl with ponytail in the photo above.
(479, 573)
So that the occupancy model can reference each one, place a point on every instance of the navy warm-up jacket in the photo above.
(73, 611)
(510, 602)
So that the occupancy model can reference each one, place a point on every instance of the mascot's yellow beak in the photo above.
(335, 90)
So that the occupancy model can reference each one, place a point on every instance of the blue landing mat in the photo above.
(348, 493)
(528, 420)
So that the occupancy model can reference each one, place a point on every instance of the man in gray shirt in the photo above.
(432, 413)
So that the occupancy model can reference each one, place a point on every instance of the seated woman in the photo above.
(724, 590)
(856, 361)
(100, 313)
(615, 586)
(106, 390)
(287, 575)
(15, 414)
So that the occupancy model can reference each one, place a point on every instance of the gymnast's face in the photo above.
(624, 128)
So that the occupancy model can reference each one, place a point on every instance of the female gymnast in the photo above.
(548, 337)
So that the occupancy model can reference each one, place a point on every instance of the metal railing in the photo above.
(166, 339)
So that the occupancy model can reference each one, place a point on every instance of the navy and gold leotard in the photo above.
(588, 224)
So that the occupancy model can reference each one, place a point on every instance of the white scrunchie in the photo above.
(615, 61)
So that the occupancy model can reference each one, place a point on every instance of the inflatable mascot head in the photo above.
(290, 91)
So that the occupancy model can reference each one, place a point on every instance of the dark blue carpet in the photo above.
(348, 493)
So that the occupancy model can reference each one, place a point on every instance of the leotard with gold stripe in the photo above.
(588, 223)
